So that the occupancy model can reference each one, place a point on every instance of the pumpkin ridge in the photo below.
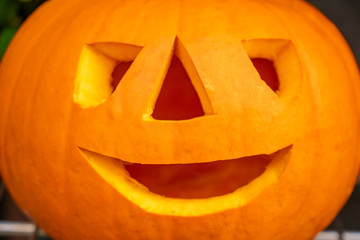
(39, 35)
(26, 59)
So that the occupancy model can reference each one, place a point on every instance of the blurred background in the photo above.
(345, 14)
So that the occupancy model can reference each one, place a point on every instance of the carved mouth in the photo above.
(199, 180)
(191, 189)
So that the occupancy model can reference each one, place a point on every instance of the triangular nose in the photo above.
(178, 99)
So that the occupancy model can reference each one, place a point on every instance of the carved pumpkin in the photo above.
(179, 119)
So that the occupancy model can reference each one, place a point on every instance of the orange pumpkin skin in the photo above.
(314, 115)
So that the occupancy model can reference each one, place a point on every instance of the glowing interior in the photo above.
(267, 72)
(93, 80)
(199, 180)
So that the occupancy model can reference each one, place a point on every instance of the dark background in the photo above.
(344, 13)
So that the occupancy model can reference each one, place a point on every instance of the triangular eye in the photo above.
(100, 70)
(181, 93)
(278, 65)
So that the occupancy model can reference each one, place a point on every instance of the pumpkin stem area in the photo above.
(199, 180)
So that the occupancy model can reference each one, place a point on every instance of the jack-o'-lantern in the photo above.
(179, 119)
